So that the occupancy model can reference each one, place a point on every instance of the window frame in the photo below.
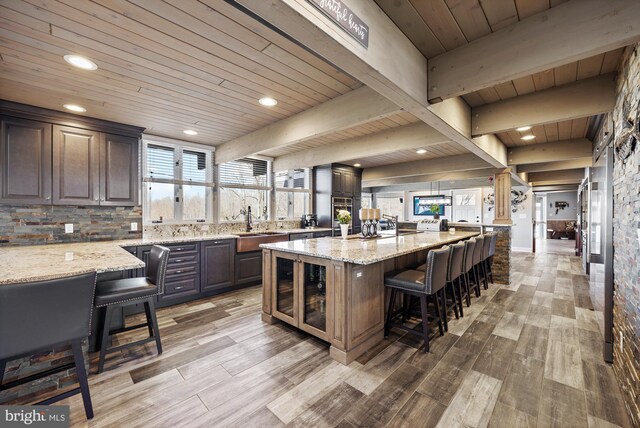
(269, 189)
(290, 191)
(209, 184)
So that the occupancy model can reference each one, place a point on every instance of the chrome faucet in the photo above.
(393, 220)
(249, 227)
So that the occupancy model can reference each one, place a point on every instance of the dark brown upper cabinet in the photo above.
(25, 159)
(49, 157)
(76, 166)
(119, 170)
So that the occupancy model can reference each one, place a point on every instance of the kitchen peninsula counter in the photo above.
(334, 288)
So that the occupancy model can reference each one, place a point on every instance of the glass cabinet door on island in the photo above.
(312, 288)
(285, 272)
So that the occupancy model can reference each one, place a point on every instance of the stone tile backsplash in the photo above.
(44, 224)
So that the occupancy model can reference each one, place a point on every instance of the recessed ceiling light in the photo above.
(190, 132)
(528, 137)
(356, 165)
(421, 151)
(74, 107)
(523, 128)
(81, 62)
(267, 101)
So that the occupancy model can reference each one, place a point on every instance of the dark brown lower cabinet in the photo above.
(249, 268)
(217, 264)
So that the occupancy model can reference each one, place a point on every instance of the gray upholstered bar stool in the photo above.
(130, 291)
(467, 269)
(40, 316)
(427, 286)
(453, 290)
(478, 272)
(492, 252)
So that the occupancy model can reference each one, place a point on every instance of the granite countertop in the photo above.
(463, 223)
(364, 252)
(177, 239)
(42, 262)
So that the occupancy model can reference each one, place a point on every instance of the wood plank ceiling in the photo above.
(163, 65)
(432, 152)
(438, 26)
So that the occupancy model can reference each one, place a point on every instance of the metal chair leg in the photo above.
(458, 283)
(78, 358)
(438, 312)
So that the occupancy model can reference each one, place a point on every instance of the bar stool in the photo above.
(485, 257)
(40, 316)
(478, 272)
(467, 268)
(492, 252)
(130, 291)
(427, 286)
(454, 286)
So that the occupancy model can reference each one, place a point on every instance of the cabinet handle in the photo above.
(178, 271)
(179, 249)
(48, 198)
(178, 288)
(178, 261)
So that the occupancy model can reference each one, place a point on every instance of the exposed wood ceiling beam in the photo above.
(401, 138)
(555, 188)
(548, 178)
(583, 98)
(348, 110)
(556, 166)
(550, 152)
(566, 33)
(421, 167)
(391, 65)
(481, 175)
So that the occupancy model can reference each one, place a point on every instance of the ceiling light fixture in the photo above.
(421, 151)
(190, 132)
(74, 107)
(81, 62)
(523, 128)
(267, 101)
(528, 137)
(356, 165)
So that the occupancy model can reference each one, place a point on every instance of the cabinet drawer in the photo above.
(180, 258)
(299, 236)
(177, 270)
(186, 285)
(183, 248)
(322, 234)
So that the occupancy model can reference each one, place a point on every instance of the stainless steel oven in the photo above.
(338, 204)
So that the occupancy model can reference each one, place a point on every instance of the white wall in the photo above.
(487, 216)
(569, 213)
(522, 230)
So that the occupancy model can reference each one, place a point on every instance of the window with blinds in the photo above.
(178, 183)
(245, 183)
(293, 193)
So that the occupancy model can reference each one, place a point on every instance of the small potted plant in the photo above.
(435, 209)
(344, 218)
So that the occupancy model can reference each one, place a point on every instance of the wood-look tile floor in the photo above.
(523, 355)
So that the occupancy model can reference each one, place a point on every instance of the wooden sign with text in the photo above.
(339, 13)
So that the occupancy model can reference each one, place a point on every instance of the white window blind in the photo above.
(160, 162)
(292, 179)
(246, 172)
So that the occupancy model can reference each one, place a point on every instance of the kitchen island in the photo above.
(334, 288)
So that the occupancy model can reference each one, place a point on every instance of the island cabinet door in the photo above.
(314, 284)
(284, 297)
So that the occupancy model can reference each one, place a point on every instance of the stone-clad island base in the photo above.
(334, 289)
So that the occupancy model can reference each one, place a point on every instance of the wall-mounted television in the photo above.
(422, 204)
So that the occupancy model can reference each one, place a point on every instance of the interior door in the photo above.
(467, 205)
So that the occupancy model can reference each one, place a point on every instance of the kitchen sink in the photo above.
(251, 241)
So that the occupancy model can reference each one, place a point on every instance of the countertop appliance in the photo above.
(433, 225)
(309, 220)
